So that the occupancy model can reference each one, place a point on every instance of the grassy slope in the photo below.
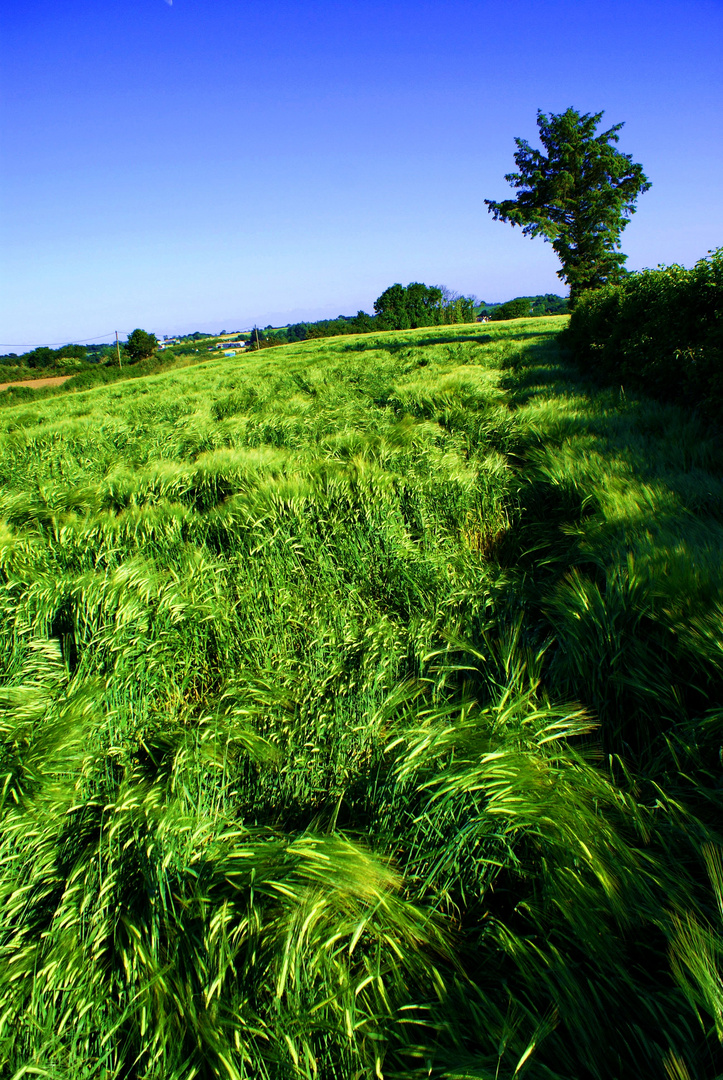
(289, 647)
(85, 375)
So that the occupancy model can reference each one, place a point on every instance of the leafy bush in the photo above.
(660, 331)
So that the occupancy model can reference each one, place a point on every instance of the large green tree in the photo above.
(579, 195)
(141, 344)
(518, 308)
(391, 308)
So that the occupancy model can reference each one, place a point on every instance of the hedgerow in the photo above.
(660, 331)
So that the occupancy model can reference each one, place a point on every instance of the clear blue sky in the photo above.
(214, 164)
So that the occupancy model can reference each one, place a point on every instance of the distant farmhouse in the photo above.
(230, 347)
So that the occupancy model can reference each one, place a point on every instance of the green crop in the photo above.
(360, 717)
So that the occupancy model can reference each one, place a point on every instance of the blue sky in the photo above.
(214, 164)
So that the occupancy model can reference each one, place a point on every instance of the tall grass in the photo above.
(360, 718)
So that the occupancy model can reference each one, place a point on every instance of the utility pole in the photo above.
(117, 348)
(257, 338)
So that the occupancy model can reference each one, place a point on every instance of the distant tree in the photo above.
(578, 196)
(362, 323)
(513, 309)
(318, 329)
(256, 338)
(424, 304)
(464, 307)
(549, 304)
(140, 345)
(41, 357)
(391, 308)
(108, 355)
(72, 352)
(456, 308)
(404, 308)
(296, 332)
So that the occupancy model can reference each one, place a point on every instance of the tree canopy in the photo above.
(578, 196)
(141, 344)
(405, 308)
(400, 307)
(513, 309)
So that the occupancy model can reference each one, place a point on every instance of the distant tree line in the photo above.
(361, 323)
(399, 307)
(44, 357)
(526, 306)
(415, 305)
(139, 346)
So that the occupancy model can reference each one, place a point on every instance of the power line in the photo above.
(53, 344)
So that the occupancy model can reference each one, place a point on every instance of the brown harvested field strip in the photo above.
(54, 380)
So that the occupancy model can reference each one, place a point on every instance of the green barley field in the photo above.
(361, 717)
